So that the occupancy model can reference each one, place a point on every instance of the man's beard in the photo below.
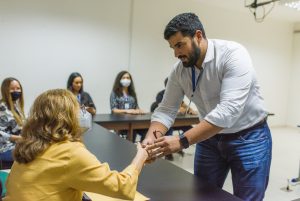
(192, 57)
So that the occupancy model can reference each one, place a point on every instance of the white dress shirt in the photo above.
(227, 94)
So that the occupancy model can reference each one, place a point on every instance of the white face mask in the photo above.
(125, 82)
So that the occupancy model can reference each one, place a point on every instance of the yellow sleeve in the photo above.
(86, 173)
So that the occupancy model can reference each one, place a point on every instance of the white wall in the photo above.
(42, 42)
(294, 96)
(269, 44)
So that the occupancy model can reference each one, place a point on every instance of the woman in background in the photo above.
(75, 85)
(12, 117)
(123, 99)
(53, 164)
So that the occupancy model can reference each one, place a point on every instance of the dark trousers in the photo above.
(248, 156)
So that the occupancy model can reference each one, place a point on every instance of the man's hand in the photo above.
(145, 144)
(164, 146)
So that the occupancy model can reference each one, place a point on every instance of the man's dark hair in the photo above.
(186, 23)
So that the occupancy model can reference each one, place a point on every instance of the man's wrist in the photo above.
(184, 143)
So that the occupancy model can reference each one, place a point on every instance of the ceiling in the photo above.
(279, 11)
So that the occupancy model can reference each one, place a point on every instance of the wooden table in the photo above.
(161, 180)
(130, 122)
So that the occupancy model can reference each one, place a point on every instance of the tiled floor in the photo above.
(285, 164)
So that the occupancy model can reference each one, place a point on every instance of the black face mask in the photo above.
(15, 95)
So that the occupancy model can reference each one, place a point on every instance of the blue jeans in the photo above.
(248, 155)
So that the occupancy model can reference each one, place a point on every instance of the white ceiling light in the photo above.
(291, 4)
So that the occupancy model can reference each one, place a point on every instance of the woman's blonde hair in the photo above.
(54, 117)
(19, 115)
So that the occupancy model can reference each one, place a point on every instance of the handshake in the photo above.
(157, 146)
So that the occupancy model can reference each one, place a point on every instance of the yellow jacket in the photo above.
(63, 172)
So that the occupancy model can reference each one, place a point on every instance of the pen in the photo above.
(154, 133)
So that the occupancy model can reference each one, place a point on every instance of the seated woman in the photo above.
(53, 164)
(75, 85)
(11, 117)
(123, 99)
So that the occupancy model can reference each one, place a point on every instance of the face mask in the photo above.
(125, 82)
(15, 95)
(85, 119)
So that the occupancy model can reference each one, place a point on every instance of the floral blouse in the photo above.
(8, 126)
(123, 102)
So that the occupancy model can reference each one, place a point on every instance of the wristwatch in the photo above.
(183, 141)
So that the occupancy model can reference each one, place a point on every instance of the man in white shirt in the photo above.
(219, 78)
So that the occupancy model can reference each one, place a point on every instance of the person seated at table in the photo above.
(123, 100)
(11, 117)
(52, 163)
(75, 85)
(183, 109)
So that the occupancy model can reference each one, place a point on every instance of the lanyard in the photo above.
(195, 82)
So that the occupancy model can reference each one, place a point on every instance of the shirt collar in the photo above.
(210, 54)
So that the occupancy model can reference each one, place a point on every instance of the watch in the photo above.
(183, 141)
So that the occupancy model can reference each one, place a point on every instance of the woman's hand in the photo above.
(91, 110)
(140, 157)
(141, 152)
(192, 112)
(15, 138)
(163, 146)
(147, 142)
(141, 111)
(134, 111)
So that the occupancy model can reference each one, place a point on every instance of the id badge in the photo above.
(126, 106)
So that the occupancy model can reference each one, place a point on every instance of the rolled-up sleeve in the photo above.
(166, 112)
(236, 84)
